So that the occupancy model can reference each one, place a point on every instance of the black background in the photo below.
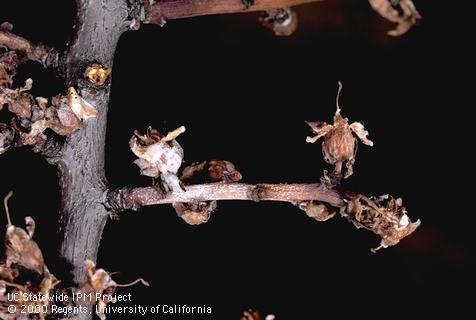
(243, 95)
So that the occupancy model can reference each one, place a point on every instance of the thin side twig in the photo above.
(39, 53)
(135, 198)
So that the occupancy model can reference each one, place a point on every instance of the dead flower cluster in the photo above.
(24, 260)
(100, 288)
(64, 114)
(159, 156)
(384, 215)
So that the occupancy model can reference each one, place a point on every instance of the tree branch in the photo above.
(135, 198)
(161, 10)
(39, 53)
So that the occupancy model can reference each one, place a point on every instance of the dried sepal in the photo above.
(80, 107)
(195, 213)
(339, 145)
(402, 12)
(191, 171)
(159, 156)
(317, 210)
(385, 216)
(97, 74)
(282, 21)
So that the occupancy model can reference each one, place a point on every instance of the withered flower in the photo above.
(214, 171)
(195, 213)
(385, 216)
(20, 249)
(317, 210)
(159, 156)
(222, 170)
(100, 284)
(339, 145)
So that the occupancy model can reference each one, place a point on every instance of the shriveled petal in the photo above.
(173, 134)
(81, 108)
(360, 131)
(319, 128)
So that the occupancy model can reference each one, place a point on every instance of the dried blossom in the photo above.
(24, 260)
(385, 216)
(217, 171)
(339, 145)
(19, 101)
(97, 74)
(283, 21)
(159, 156)
(402, 12)
(64, 115)
(195, 213)
(100, 287)
(317, 210)
(222, 170)
(20, 249)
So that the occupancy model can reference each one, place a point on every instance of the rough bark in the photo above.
(81, 163)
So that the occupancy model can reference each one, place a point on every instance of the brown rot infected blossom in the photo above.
(24, 271)
(339, 145)
(97, 74)
(211, 171)
(384, 215)
(195, 213)
(282, 21)
(317, 210)
(99, 288)
(64, 115)
(159, 156)
(402, 12)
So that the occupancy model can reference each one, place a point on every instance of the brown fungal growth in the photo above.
(97, 74)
